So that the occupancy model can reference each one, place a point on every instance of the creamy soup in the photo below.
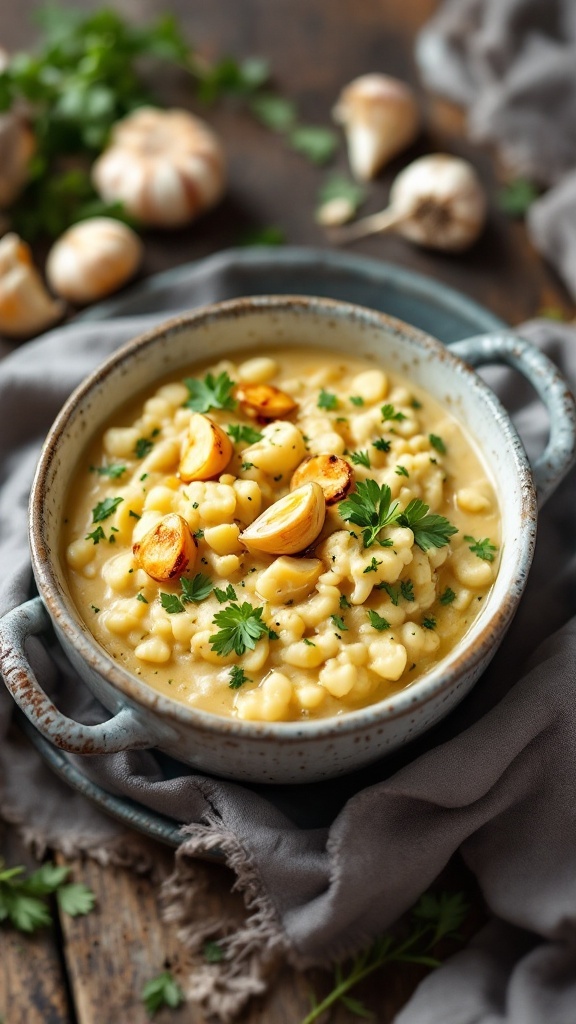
(283, 537)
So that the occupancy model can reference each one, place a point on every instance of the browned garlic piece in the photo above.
(26, 307)
(334, 475)
(380, 118)
(165, 167)
(437, 201)
(168, 550)
(17, 147)
(207, 451)
(291, 524)
(264, 401)
(92, 259)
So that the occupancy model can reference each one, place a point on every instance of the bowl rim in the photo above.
(69, 623)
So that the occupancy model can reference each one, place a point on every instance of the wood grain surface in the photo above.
(91, 970)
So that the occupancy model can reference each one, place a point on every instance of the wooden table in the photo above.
(91, 970)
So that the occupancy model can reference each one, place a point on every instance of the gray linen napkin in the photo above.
(512, 63)
(495, 781)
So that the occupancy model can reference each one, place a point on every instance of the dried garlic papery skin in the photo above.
(26, 307)
(437, 201)
(92, 259)
(380, 118)
(17, 147)
(165, 167)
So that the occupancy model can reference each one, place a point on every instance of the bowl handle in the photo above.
(124, 731)
(500, 347)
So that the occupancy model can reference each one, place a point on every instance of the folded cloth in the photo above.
(512, 63)
(495, 780)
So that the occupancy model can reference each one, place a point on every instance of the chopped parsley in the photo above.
(401, 471)
(237, 677)
(171, 603)
(134, 514)
(247, 465)
(344, 602)
(339, 623)
(326, 400)
(105, 508)
(140, 597)
(361, 459)
(112, 472)
(395, 591)
(240, 628)
(210, 393)
(484, 549)
(309, 643)
(240, 432)
(96, 536)
(225, 595)
(373, 565)
(378, 621)
(161, 991)
(356, 400)
(437, 443)
(429, 622)
(142, 447)
(389, 413)
(447, 597)
(94, 609)
(382, 444)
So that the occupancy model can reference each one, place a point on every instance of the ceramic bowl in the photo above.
(284, 752)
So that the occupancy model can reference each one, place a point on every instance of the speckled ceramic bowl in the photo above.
(294, 751)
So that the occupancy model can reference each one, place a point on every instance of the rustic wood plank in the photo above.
(33, 986)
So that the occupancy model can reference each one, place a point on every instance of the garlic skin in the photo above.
(17, 147)
(92, 259)
(26, 308)
(380, 118)
(165, 166)
(437, 201)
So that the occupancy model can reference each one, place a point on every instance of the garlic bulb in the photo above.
(436, 201)
(165, 166)
(92, 259)
(26, 308)
(380, 118)
(17, 146)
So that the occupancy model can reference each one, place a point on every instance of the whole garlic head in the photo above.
(17, 147)
(437, 201)
(165, 166)
(380, 118)
(26, 308)
(92, 259)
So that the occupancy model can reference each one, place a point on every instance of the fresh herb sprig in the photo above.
(434, 917)
(484, 549)
(163, 990)
(24, 898)
(210, 393)
(240, 628)
(371, 508)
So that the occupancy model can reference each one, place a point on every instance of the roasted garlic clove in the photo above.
(437, 201)
(165, 167)
(288, 579)
(380, 118)
(17, 147)
(207, 452)
(290, 524)
(168, 550)
(334, 475)
(264, 401)
(92, 259)
(26, 308)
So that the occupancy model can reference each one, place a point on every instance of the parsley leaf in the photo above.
(75, 899)
(374, 563)
(430, 530)
(142, 447)
(162, 991)
(389, 413)
(339, 623)
(369, 507)
(401, 471)
(344, 602)
(378, 621)
(104, 509)
(112, 472)
(225, 595)
(356, 400)
(274, 111)
(361, 459)
(316, 142)
(23, 899)
(326, 400)
(382, 444)
(171, 603)
(437, 443)
(429, 622)
(447, 597)
(197, 589)
(240, 432)
(210, 393)
(241, 626)
(237, 677)
(96, 536)
(484, 549)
